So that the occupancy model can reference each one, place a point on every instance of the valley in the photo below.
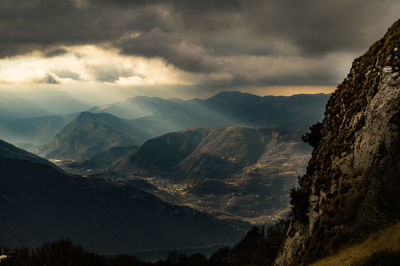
(251, 183)
(234, 155)
(40, 202)
(199, 133)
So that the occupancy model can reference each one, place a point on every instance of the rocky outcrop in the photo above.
(352, 182)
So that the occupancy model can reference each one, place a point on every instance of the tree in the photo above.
(314, 136)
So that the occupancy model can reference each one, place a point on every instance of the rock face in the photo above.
(352, 182)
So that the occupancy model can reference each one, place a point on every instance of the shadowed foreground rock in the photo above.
(352, 183)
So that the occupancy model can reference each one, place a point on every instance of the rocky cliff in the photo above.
(352, 184)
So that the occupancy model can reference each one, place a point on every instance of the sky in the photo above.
(102, 51)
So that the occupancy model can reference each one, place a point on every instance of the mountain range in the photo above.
(138, 119)
(220, 170)
(225, 109)
(41, 203)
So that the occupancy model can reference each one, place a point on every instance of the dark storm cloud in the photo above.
(28, 25)
(199, 36)
(313, 26)
(318, 27)
(180, 52)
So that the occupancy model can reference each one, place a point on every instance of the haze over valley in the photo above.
(212, 133)
(216, 155)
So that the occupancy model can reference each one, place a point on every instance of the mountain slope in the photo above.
(233, 172)
(352, 183)
(89, 134)
(200, 152)
(160, 155)
(40, 204)
(378, 249)
(36, 131)
(101, 160)
(11, 152)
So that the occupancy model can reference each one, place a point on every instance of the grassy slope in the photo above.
(385, 240)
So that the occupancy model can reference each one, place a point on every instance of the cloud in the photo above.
(28, 76)
(318, 27)
(243, 42)
(93, 65)
(313, 26)
(173, 48)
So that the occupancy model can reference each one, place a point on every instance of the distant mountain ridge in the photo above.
(33, 131)
(40, 204)
(137, 107)
(223, 109)
(89, 134)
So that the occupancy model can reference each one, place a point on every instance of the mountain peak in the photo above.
(84, 114)
(87, 114)
(89, 134)
(226, 94)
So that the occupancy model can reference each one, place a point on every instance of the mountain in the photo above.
(137, 107)
(33, 131)
(236, 172)
(151, 116)
(11, 152)
(163, 154)
(89, 134)
(224, 109)
(267, 111)
(198, 153)
(39, 204)
(201, 152)
(102, 160)
(351, 188)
